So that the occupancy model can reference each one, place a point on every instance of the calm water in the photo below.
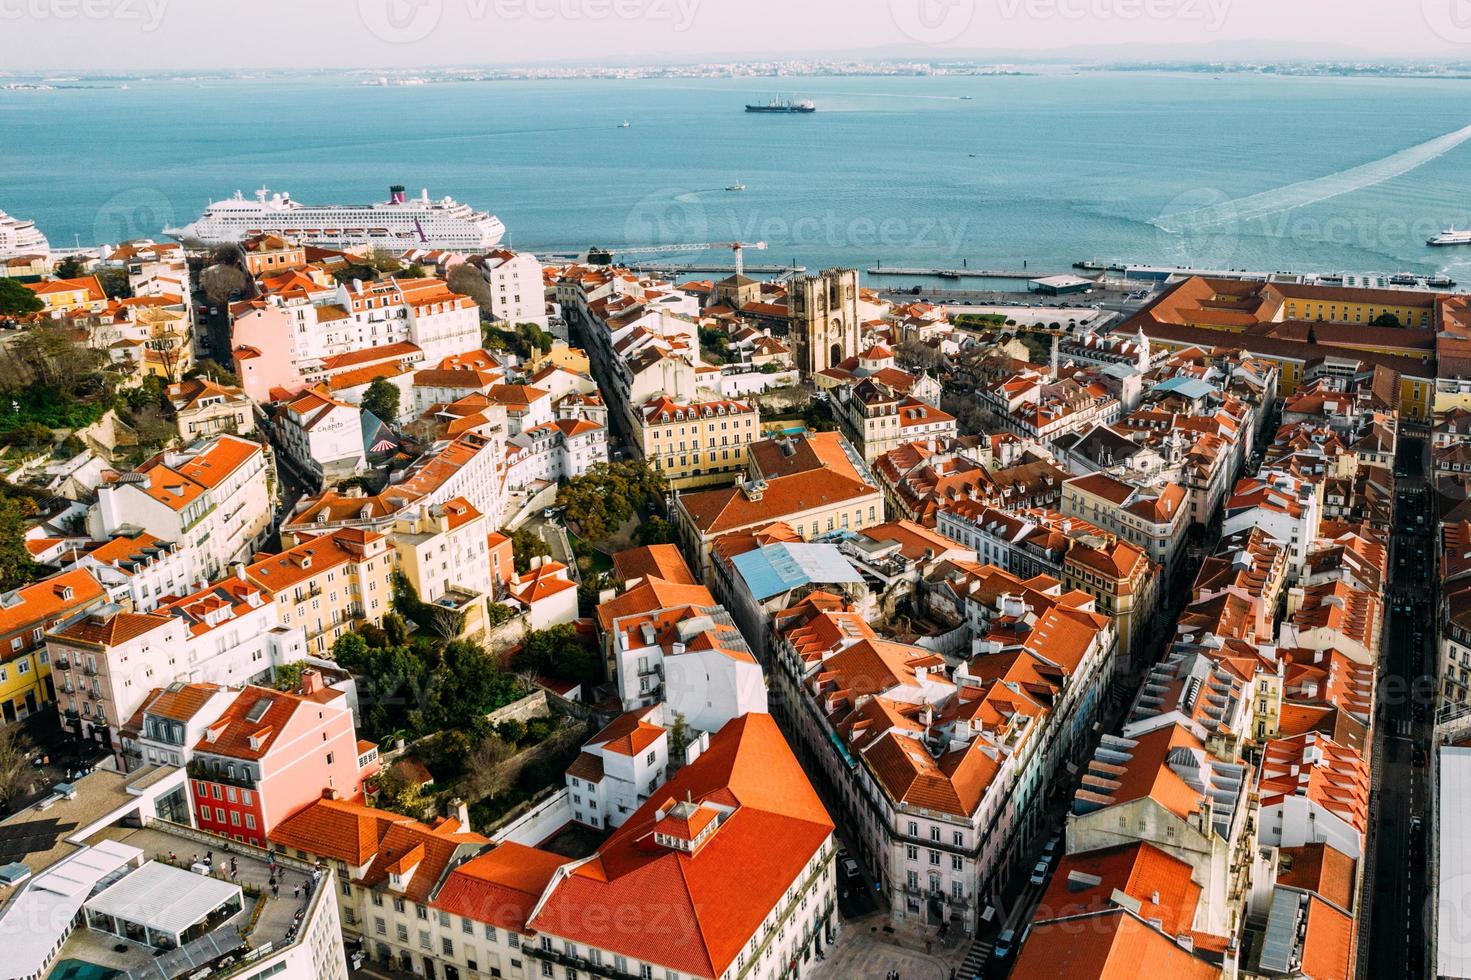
(1042, 169)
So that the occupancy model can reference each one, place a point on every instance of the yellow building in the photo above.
(814, 483)
(1293, 325)
(329, 583)
(82, 295)
(573, 359)
(702, 444)
(26, 615)
(1120, 578)
(444, 553)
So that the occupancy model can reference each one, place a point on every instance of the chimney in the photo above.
(312, 681)
(461, 812)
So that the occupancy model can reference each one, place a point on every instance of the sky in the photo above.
(229, 34)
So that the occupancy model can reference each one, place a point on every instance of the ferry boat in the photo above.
(400, 222)
(18, 237)
(1451, 237)
(783, 105)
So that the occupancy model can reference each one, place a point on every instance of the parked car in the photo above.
(850, 869)
(1039, 873)
(1004, 944)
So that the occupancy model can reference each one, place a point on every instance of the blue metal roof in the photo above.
(779, 568)
(1186, 387)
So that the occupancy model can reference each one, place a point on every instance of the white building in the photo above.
(554, 452)
(106, 664)
(322, 435)
(517, 293)
(213, 499)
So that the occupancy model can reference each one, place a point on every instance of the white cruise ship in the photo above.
(1451, 237)
(19, 237)
(397, 223)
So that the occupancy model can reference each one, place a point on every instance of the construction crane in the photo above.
(593, 254)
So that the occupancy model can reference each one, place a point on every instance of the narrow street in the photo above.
(1392, 931)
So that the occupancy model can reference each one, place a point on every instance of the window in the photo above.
(379, 926)
(403, 933)
(424, 942)
(421, 912)
(467, 927)
(447, 946)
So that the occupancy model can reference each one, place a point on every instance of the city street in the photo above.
(1392, 931)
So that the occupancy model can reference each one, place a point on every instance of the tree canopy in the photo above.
(558, 652)
(608, 494)
(17, 300)
(382, 399)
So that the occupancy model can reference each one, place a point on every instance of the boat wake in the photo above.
(1303, 193)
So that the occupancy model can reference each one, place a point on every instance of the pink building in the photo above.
(270, 753)
(264, 344)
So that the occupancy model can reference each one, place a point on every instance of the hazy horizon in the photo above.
(144, 35)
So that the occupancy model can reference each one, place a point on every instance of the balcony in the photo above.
(61, 663)
(197, 770)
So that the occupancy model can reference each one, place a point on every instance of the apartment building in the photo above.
(697, 444)
(814, 483)
(272, 753)
(938, 781)
(206, 409)
(327, 583)
(213, 499)
(443, 550)
(517, 292)
(105, 664)
(26, 615)
(1152, 517)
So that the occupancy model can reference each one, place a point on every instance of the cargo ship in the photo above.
(783, 105)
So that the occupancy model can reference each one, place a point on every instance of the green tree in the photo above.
(17, 568)
(17, 300)
(287, 677)
(114, 283)
(382, 398)
(526, 545)
(559, 652)
(29, 435)
(402, 795)
(71, 267)
(608, 494)
(655, 530)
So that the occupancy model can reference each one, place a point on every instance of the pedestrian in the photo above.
(275, 889)
(296, 891)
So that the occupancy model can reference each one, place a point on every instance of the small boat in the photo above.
(1440, 282)
(967, 98)
(737, 186)
(624, 124)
